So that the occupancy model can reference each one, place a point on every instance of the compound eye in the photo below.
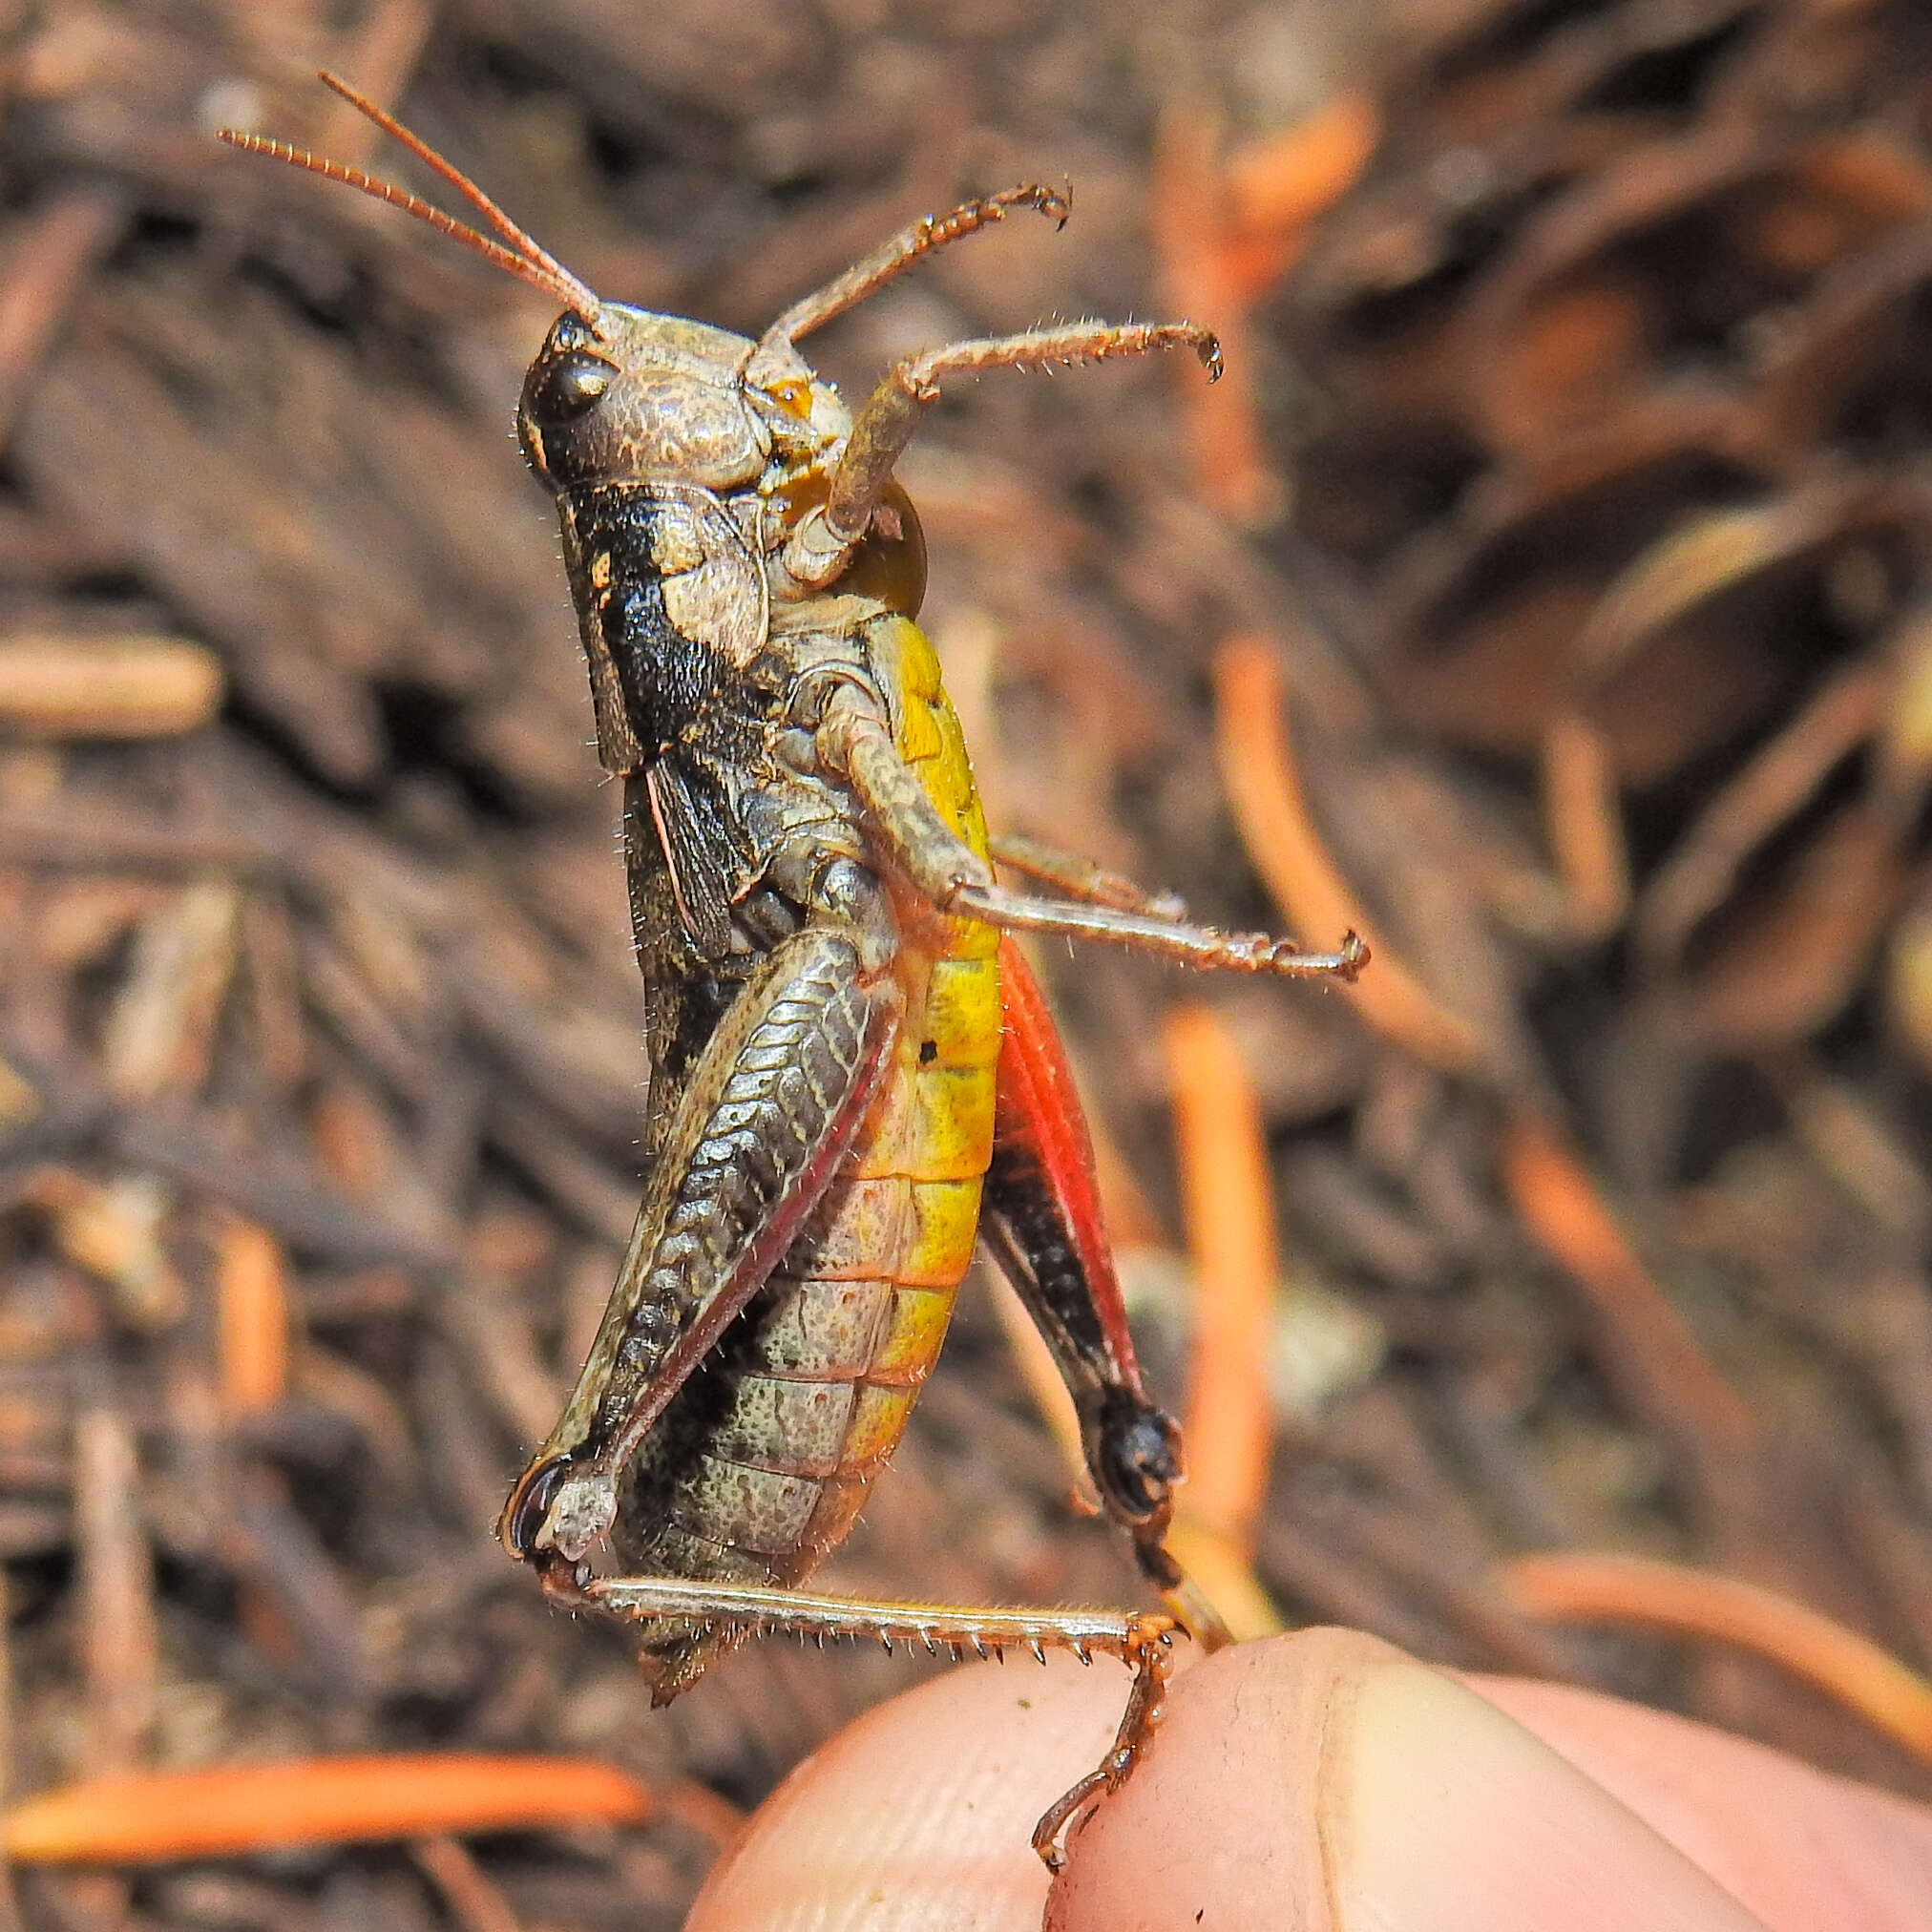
(562, 387)
(793, 397)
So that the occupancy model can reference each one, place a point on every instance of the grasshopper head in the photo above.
(637, 395)
(617, 393)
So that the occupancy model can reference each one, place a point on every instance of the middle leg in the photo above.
(1079, 878)
(854, 739)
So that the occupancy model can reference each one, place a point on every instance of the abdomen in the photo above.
(762, 1463)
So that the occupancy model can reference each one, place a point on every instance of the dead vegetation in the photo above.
(1547, 591)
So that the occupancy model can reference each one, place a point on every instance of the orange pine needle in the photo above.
(1231, 1229)
(1595, 1587)
(1257, 768)
(249, 1807)
(1586, 835)
(1188, 219)
(1220, 1600)
(1223, 236)
(1131, 1223)
(1044, 1383)
(1276, 186)
(1657, 1357)
(251, 1294)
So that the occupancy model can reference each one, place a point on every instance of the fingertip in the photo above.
(1323, 1782)
(920, 1814)
(1326, 1781)
(1797, 1845)
(1205, 1833)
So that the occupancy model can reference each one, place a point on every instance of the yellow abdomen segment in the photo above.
(931, 1127)
(911, 1203)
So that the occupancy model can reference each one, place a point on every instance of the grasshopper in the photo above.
(854, 1073)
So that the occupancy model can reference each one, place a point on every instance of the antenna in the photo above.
(525, 258)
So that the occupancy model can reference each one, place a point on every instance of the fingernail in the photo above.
(1436, 1813)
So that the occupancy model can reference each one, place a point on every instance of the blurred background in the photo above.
(1548, 590)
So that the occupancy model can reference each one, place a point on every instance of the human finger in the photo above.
(1317, 1781)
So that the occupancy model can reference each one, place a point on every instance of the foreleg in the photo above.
(823, 543)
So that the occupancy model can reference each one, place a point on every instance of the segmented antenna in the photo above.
(525, 258)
